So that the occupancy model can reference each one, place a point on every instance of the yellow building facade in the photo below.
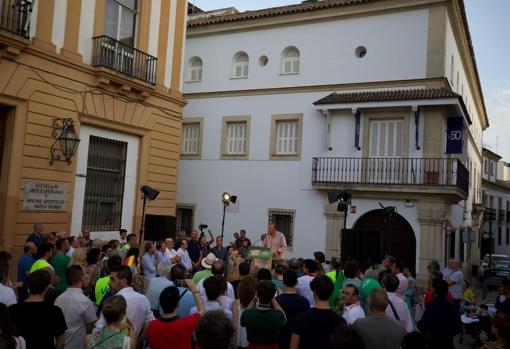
(113, 67)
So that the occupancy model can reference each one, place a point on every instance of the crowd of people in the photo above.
(197, 292)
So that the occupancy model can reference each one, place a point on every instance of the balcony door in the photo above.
(385, 151)
(120, 25)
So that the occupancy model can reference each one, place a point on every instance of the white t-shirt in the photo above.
(352, 313)
(304, 289)
(7, 295)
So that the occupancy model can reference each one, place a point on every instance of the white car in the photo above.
(495, 260)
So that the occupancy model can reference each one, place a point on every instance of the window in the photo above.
(120, 20)
(492, 168)
(191, 143)
(286, 136)
(386, 138)
(284, 221)
(499, 236)
(195, 69)
(485, 166)
(185, 215)
(235, 137)
(104, 188)
(240, 66)
(508, 236)
(290, 61)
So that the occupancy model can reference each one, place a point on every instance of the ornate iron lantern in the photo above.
(65, 135)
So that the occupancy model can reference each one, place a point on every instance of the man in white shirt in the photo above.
(7, 295)
(185, 258)
(170, 252)
(122, 237)
(217, 268)
(397, 307)
(303, 289)
(79, 312)
(73, 245)
(455, 280)
(213, 286)
(352, 308)
(397, 268)
(138, 308)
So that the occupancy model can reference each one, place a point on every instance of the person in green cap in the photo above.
(60, 261)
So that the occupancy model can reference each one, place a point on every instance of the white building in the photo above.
(288, 104)
(496, 199)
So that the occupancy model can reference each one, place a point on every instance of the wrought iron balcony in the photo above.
(391, 171)
(125, 59)
(15, 16)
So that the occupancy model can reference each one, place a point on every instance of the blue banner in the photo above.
(454, 126)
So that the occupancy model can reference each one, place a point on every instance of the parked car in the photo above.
(496, 259)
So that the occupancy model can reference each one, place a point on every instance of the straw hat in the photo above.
(209, 260)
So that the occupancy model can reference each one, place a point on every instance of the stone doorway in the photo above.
(375, 235)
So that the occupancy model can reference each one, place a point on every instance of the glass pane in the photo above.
(111, 19)
(127, 27)
(391, 139)
(129, 3)
(382, 139)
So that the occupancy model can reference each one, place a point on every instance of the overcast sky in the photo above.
(490, 27)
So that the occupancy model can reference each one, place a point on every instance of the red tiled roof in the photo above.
(278, 11)
(386, 96)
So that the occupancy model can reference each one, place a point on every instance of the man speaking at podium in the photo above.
(275, 240)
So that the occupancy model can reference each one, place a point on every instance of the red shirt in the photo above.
(428, 297)
(174, 333)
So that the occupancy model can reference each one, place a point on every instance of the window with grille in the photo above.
(283, 219)
(287, 137)
(236, 138)
(195, 69)
(190, 139)
(104, 188)
(386, 138)
(184, 215)
(240, 67)
(290, 61)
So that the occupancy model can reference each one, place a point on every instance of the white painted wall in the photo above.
(154, 27)
(88, 9)
(396, 49)
(33, 19)
(59, 24)
(170, 44)
(130, 190)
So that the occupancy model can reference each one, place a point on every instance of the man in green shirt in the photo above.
(207, 263)
(60, 261)
(262, 321)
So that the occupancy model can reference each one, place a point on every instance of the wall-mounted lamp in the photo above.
(65, 135)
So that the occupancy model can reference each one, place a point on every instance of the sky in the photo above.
(489, 26)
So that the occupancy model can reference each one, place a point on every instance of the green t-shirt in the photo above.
(203, 274)
(40, 264)
(367, 285)
(102, 286)
(60, 262)
(262, 326)
(107, 338)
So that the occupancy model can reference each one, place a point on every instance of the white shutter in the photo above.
(190, 139)
(236, 138)
(286, 137)
(386, 137)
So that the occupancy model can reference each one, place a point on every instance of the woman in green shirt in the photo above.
(119, 332)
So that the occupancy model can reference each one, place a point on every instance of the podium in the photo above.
(261, 257)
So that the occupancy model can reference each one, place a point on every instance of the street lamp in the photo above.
(65, 135)
(226, 199)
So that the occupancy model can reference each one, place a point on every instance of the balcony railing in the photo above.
(15, 16)
(124, 59)
(490, 214)
(391, 171)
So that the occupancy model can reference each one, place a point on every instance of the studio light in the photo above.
(226, 199)
(148, 194)
(343, 198)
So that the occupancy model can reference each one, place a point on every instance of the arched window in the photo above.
(290, 61)
(195, 69)
(240, 66)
